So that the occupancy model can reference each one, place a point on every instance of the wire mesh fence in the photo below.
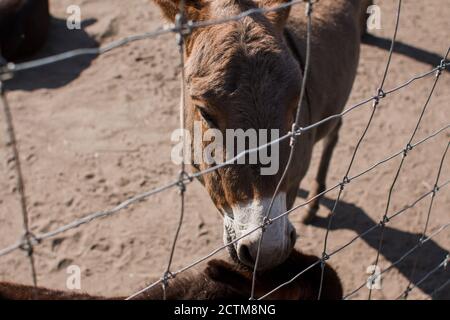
(183, 27)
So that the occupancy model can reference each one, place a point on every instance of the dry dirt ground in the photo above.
(94, 131)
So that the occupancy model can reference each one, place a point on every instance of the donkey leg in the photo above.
(319, 185)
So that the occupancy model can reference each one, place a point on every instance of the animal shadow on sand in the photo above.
(396, 244)
(407, 50)
(56, 75)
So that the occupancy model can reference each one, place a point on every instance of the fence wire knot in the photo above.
(183, 178)
(385, 221)
(344, 182)
(325, 257)
(296, 131)
(407, 149)
(266, 222)
(373, 278)
(178, 27)
(376, 99)
(166, 278)
(27, 243)
(422, 241)
(442, 66)
(407, 292)
(380, 95)
(182, 27)
(435, 190)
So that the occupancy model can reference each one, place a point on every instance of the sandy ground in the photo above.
(94, 132)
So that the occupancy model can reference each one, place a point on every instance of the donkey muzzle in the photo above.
(274, 242)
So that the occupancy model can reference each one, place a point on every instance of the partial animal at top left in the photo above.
(24, 27)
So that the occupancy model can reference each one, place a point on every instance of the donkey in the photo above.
(219, 280)
(24, 27)
(245, 75)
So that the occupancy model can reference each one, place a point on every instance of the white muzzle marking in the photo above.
(279, 237)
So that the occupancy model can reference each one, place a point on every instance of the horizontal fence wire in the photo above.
(191, 177)
(293, 143)
(440, 288)
(422, 239)
(409, 252)
(443, 265)
(425, 228)
(185, 28)
(345, 179)
(402, 162)
(181, 28)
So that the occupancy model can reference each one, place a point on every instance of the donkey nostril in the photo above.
(245, 256)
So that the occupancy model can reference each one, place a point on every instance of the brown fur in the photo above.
(24, 27)
(219, 280)
(243, 75)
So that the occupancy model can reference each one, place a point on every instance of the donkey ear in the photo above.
(171, 8)
(279, 17)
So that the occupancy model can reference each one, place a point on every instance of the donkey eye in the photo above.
(207, 117)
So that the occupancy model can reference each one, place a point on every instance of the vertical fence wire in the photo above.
(296, 132)
(28, 237)
(441, 265)
(180, 21)
(441, 287)
(402, 258)
(409, 287)
(181, 28)
(407, 149)
(346, 180)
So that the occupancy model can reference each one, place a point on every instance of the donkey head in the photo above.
(240, 76)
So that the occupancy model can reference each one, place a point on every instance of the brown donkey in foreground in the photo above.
(246, 75)
(219, 280)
